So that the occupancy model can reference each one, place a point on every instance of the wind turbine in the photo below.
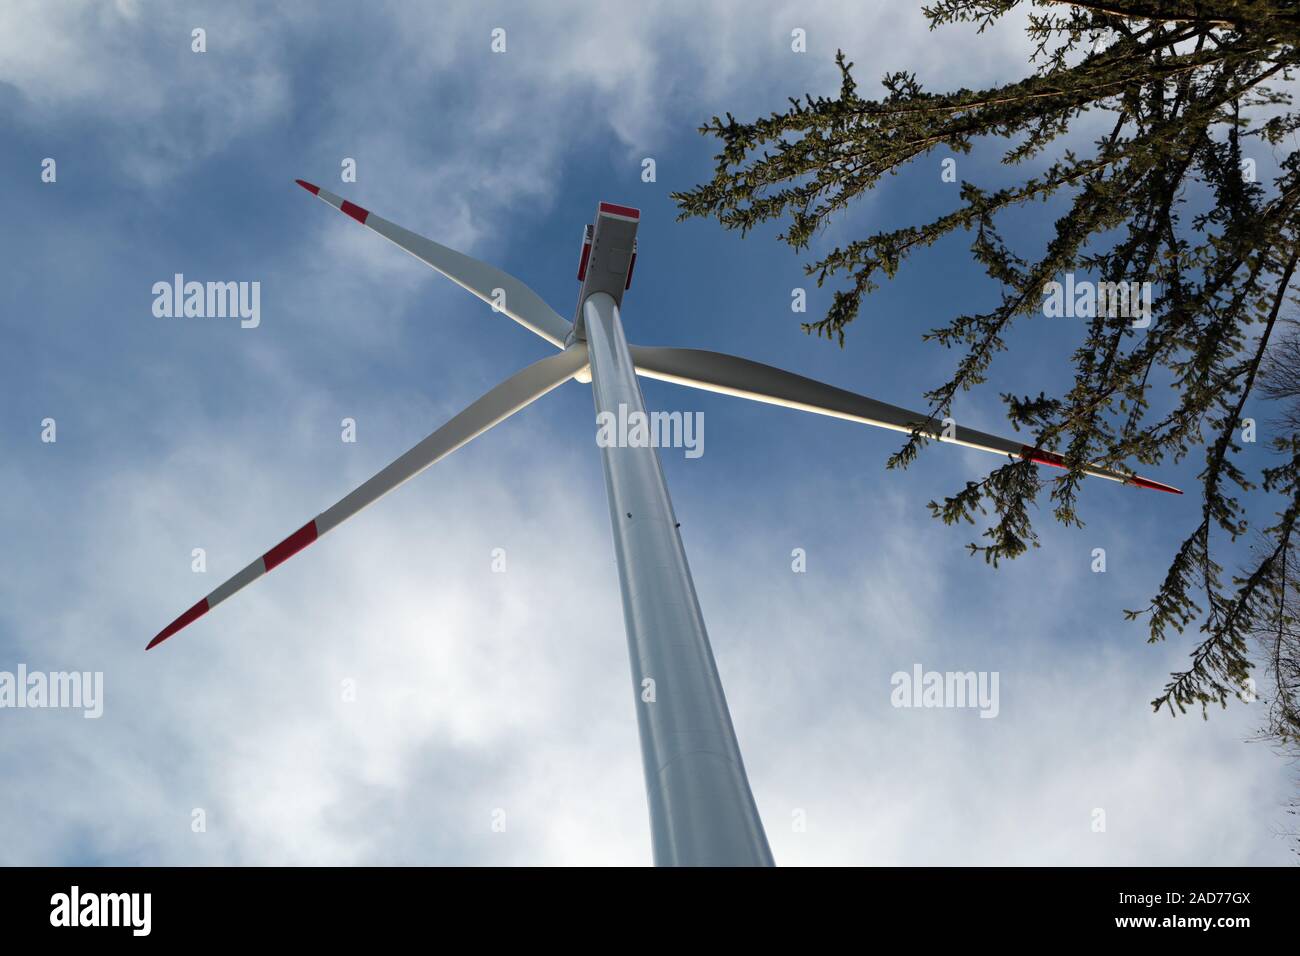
(702, 811)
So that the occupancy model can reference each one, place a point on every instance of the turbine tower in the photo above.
(702, 811)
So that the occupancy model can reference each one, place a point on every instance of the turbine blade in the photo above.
(514, 298)
(514, 393)
(731, 375)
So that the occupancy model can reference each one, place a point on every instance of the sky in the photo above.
(386, 696)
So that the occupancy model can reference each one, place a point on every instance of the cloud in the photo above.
(127, 72)
(478, 692)
(128, 69)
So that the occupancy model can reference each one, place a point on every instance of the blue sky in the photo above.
(478, 691)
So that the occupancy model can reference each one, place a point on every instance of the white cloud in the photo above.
(128, 71)
(478, 691)
(129, 68)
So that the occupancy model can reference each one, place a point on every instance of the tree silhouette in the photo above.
(1164, 197)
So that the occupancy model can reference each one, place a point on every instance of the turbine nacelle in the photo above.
(608, 258)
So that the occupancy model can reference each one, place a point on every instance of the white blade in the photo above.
(514, 393)
(731, 375)
(514, 298)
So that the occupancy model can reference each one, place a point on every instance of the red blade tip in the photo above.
(314, 190)
(189, 617)
(1141, 482)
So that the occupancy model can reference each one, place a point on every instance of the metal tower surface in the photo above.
(701, 809)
